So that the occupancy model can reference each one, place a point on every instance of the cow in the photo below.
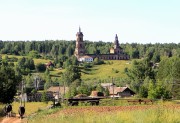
(7, 110)
(21, 111)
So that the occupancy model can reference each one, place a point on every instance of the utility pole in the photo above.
(59, 93)
(22, 93)
(64, 90)
(113, 90)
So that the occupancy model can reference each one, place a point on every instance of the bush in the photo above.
(40, 67)
(34, 54)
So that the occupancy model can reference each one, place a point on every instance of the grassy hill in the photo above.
(108, 70)
(105, 71)
(111, 68)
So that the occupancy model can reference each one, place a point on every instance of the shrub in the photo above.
(40, 67)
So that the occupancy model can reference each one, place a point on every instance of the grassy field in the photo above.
(36, 61)
(106, 71)
(111, 114)
(31, 107)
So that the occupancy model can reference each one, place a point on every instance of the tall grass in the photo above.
(160, 114)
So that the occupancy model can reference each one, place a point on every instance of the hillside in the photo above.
(106, 71)
(36, 61)
(111, 68)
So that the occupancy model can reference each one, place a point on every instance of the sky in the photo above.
(134, 21)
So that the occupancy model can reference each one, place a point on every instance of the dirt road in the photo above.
(11, 120)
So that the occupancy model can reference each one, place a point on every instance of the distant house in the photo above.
(121, 91)
(85, 59)
(49, 64)
(58, 90)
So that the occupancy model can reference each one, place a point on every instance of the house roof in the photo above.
(58, 89)
(119, 89)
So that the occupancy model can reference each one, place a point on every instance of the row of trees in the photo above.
(160, 81)
(52, 49)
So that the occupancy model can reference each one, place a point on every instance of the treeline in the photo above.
(155, 81)
(52, 49)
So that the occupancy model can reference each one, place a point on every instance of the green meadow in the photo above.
(106, 71)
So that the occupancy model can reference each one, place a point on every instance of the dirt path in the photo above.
(11, 120)
(14, 119)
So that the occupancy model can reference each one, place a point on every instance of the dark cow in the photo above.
(21, 111)
(7, 110)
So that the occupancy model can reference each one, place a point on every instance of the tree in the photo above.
(152, 90)
(84, 89)
(139, 71)
(106, 91)
(34, 54)
(143, 92)
(44, 97)
(8, 83)
(169, 72)
(25, 65)
(71, 74)
(99, 88)
(40, 67)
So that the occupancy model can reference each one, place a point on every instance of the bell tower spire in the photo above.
(80, 46)
(79, 29)
(116, 42)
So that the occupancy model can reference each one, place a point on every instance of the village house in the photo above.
(120, 92)
(85, 59)
(58, 91)
(49, 64)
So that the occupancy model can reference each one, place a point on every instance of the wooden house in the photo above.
(120, 91)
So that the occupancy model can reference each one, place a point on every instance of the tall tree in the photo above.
(8, 83)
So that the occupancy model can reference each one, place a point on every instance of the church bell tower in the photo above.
(80, 47)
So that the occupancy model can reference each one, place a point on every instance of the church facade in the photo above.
(116, 52)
